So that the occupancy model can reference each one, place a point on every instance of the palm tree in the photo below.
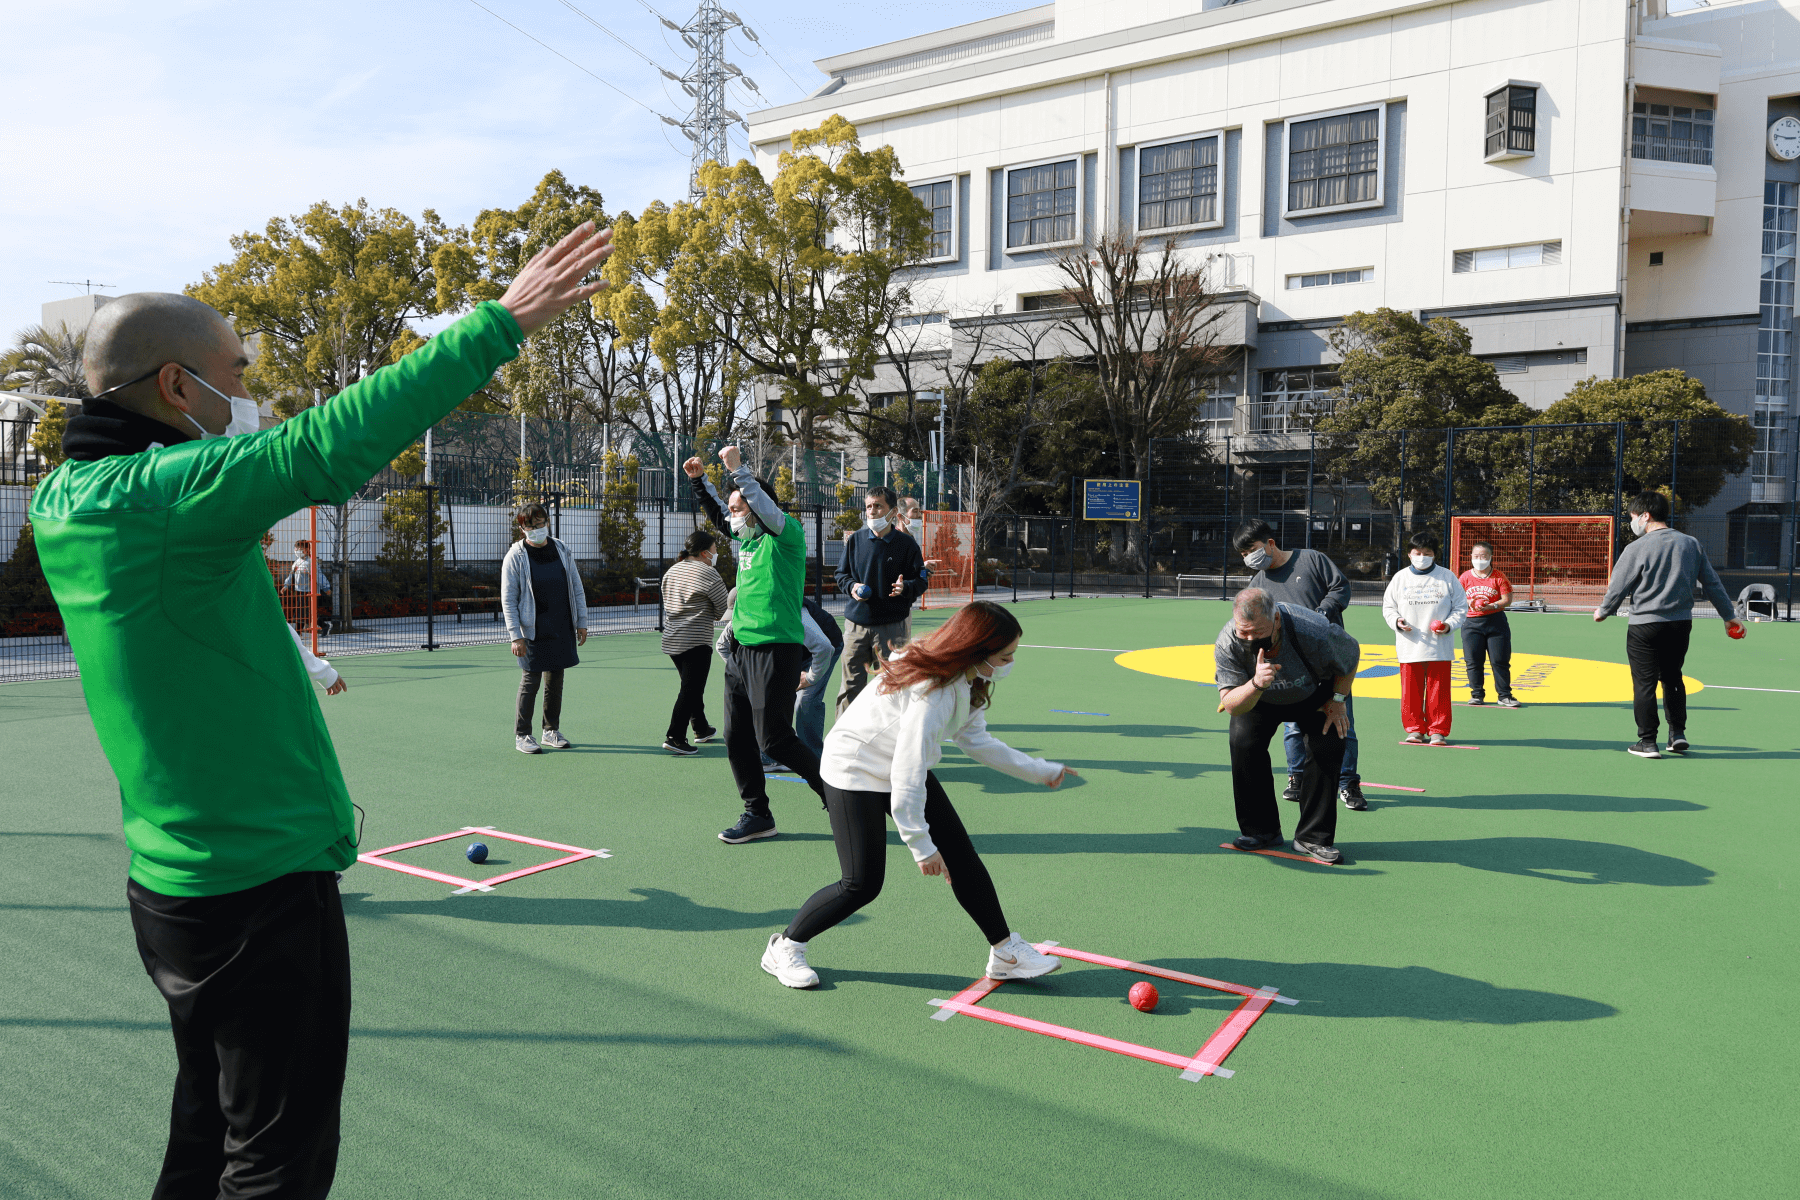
(50, 365)
(45, 362)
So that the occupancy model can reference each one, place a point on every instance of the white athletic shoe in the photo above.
(524, 745)
(1438, 739)
(554, 739)
(1015, 958)
(786, 961)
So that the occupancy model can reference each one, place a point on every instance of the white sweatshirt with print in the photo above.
(1419, 600)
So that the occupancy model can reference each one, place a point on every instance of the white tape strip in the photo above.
(942, 1014)
(476, 887)
(1279, 999)
(1198, 1072)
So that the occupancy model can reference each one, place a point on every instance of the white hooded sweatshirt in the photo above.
(1420, 600)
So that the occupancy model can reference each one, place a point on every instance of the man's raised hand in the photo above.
(693, 468)
(551, 283)
(1264, 675)
(731, 458)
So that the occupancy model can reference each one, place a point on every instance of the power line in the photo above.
(609, 33)
(552, 49)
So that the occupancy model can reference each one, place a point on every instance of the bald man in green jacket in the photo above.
(235, 810)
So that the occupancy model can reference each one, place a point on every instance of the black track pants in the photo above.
(528, 689)
(859, 827)
(1253, 785)
(258, 988)
(761, 684)
(1496, 650)
(1656, 651)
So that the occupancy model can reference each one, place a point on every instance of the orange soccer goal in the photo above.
(1551, 561)
(948, 537)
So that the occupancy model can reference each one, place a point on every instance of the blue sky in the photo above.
(141, 136)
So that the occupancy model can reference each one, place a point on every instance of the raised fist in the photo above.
(693, 468)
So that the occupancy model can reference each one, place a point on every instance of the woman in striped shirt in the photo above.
(693, 598)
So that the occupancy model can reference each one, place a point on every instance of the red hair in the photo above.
(975, 632)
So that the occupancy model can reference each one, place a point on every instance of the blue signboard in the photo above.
(1109, 499)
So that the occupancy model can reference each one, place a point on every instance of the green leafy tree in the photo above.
(49, 364)
(329, 294)
(1402, 382)
(621, 529)
(793, 281)
(850, 517)
(1032, 428)
(1574, 468)
(412, 531)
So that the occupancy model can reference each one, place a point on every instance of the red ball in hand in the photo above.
(1440, 627)
(1143, 996)
(1734, 631)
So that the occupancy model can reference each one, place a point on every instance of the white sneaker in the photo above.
(554, 739)
(524, 745)
(1438, 739)
(1015, 958)
(786, 961)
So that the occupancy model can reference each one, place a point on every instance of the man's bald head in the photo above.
(140, 332)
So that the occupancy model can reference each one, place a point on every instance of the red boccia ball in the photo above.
(1734, 631)
(1143, 996)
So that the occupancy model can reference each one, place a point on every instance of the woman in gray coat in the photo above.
(546, 615)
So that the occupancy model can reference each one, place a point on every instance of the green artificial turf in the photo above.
(1561, 971)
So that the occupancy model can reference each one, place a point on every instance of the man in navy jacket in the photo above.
(882, 574)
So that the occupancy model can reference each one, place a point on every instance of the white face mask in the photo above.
(738, 523)
(1422, 562)
(878, 525)
(1257, 559)
(1482, 564)
(1639, 524)
(244, 415)
(538, 536)
(993, 672)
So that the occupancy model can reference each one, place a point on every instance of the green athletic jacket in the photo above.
(771, 577)
(226, 771)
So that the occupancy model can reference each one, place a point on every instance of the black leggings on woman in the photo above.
(528, 689)
(859, 826)
(693, 666)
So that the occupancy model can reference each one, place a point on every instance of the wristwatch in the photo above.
(1341, 697)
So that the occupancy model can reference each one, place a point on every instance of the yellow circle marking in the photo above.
(1536, 678)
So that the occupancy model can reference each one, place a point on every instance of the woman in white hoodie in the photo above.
(877, 762)
(1423, 605)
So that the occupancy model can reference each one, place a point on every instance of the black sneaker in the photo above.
(1678, 743)
(703, 736)
(1293, 789)
(749, 828)
(1327, 854)
(679, 748)
(1257, 843)
(1644, 748)
(1352, 795)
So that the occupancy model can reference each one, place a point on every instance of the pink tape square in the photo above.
(376, 858)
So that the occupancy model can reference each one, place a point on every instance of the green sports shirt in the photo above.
(227, 774)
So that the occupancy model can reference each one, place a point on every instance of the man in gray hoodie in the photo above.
(1658, 571)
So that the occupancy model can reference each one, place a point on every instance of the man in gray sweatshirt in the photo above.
(1658, 571)
(1303, 579)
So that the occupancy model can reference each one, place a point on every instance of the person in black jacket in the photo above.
(881, 575)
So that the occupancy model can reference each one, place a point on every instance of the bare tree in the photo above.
(1148, 321)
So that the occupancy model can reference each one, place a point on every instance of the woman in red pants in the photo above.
(1423, 605)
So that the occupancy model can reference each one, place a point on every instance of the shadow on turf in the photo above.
(657, 909)
(1355, 990)
(1130, 731)
(1562, 860)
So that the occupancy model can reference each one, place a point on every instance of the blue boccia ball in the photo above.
(477, 852)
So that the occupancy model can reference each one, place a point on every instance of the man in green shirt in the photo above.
(235, 811)
(768, 644)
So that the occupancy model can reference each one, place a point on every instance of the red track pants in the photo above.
(1425, 697)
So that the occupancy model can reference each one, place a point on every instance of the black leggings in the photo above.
(528, 690)
(1496, 647)
(695, 667)
(859, 827)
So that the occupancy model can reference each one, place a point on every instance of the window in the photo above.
(1672, 133)
(1511, 122)
(1518, 364)
(1330, 278)
(1774, 345)
(908, 320)
(939, 198)
(1334, 162)
(1041, 203)
(1292, 397)
(1178, 184)
(1046, 301)
(1503, 258)
(1216, 416)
